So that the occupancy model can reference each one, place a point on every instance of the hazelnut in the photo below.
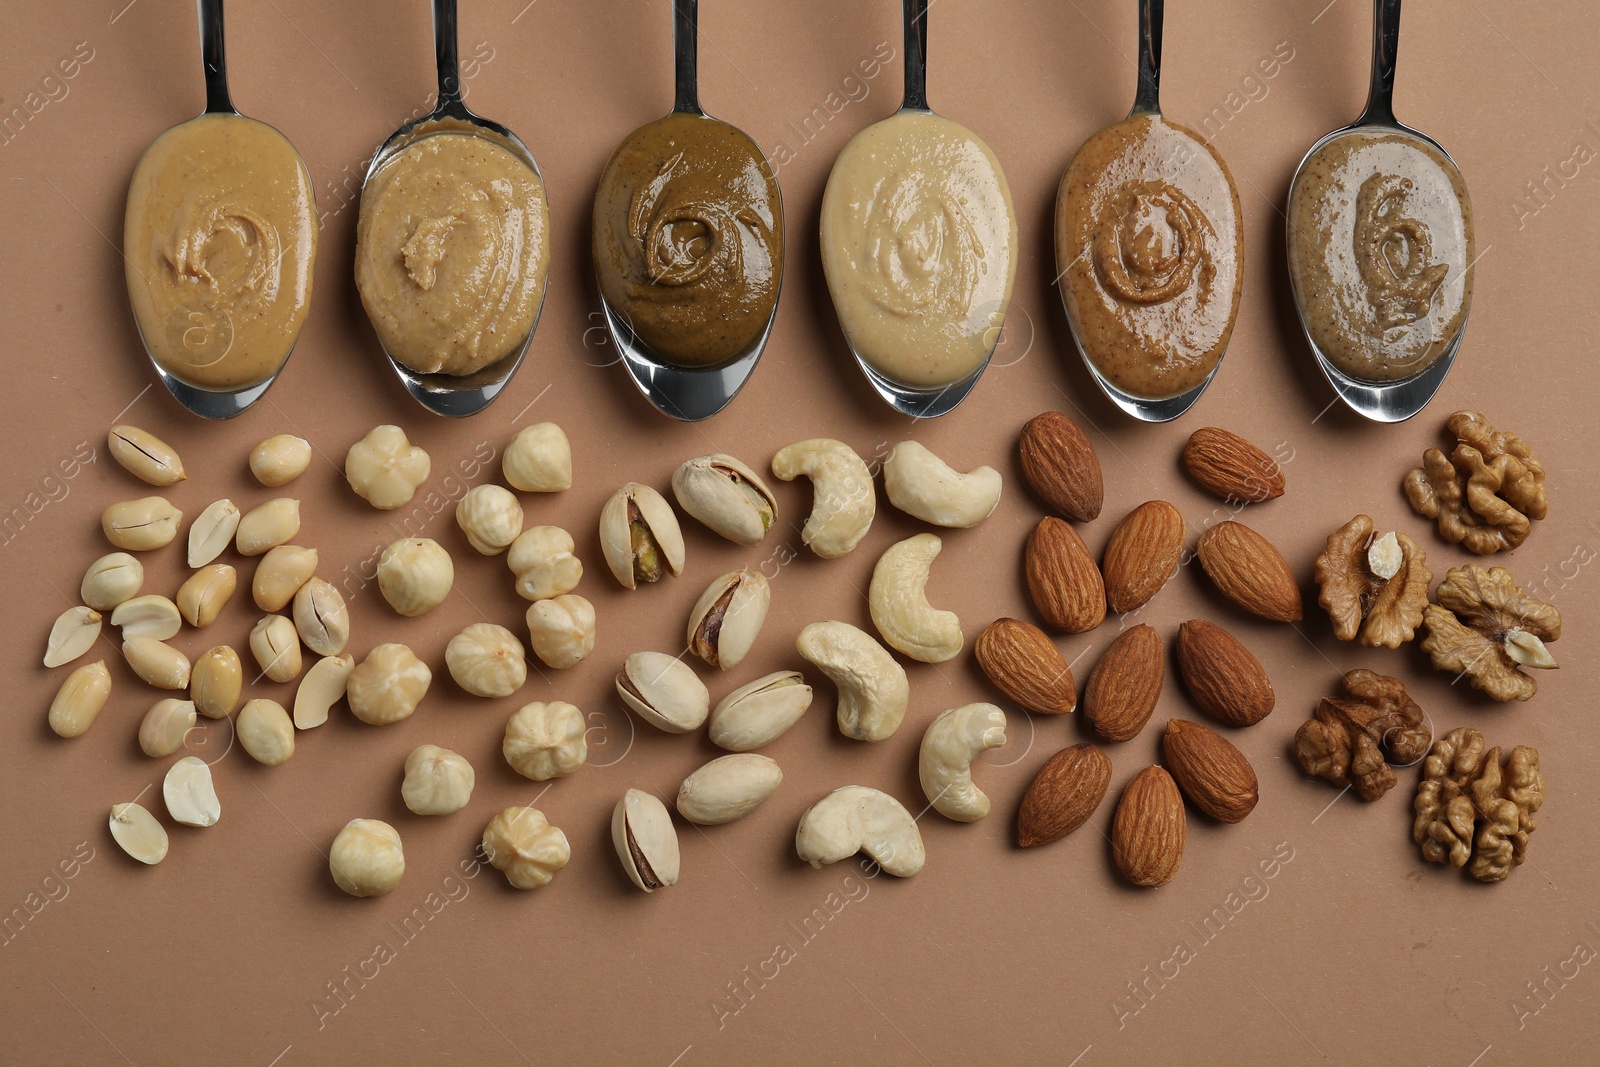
(384, 468)
(367, 859)
(438, 781)
(542, 559)
(491, 517)
(561, 630)
(415, 574)
(387, 686)
(545, 740)
(539, 459)
(486, 660)
(522, 843)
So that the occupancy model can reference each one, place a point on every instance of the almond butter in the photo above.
(1124, 685)
(1230, 467)
(1148, 834)
(1062, 578)
(1224, 677)
(1025, 665)
(1247, 570)
(1061, 465)
(1212, 773)
(1065, 792)
(1142, 554)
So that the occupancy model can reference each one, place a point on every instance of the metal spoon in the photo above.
(1147, 101)
(688, 393)
(450, 394)
(210, 403)
(923, 402)
(1399, 400)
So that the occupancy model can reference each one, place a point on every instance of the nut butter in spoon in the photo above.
(1380, 244)
(919, 245)
(1148, 244)
(219, 243)
(687, 237)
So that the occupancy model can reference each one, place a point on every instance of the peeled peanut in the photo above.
(165, 726)
(216, 681)
(158, 664)
(206, 592)
(145, 456)
(265, 732)
(110, 580)
(268, 526)
(80, 699)
(276, 647)
(280, 574)
(280, 459)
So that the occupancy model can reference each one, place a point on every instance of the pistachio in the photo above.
(486, 660)
(561, 630)
(165, 725)
(384, 468)
(760, 712)
(415, 574)
(156, 663)
(280, 574)
(137, 833)
(726, 619)
(542, 559)
(280, 459)
(216, 681)
(151, 615)
(491, 517)
(641, 830)
(141, 525)
(321, 688)
(663, 691)
(72, 634)
(321, 617)
(80, 699)
(276, 647)
(727, 496)
(206, 592)
(639, 535)
(267, 526)
(265, 732)
(145, 456)
(438, 781)
(212, 531)
(728, 788)
(190, 794)
(110, 580)
(538, 459)
(388, 685)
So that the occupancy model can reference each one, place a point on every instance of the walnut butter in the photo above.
(919, 241)
(1148, 243)
(219, 242)
(452, 252)
(1380, 252)
(688, 239)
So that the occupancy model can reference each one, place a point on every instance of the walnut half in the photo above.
(1463, 785)
(1352, 738)
(1485, 627)
(1373, 588)
(1486, 493)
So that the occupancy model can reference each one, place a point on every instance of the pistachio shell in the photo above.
(759, 713)
(664, 691)
(727, 496)
(641, 830)
(640, 536)
(726, 619)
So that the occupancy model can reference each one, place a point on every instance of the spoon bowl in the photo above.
(455, 395)
(1400, 399)
(683, 392)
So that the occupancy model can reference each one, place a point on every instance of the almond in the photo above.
(1142, 554)
(1061, 465)
(1065, 792)
(1230, 467)
(1025, 665)
(1210, 770)
(1222, 675)
(1148, 833)
(1249, 571)
(1062, 578)
(1124, 685)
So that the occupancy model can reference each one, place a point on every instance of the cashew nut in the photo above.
(873, 689)
(951, 743)
(843, 498)
(925, 487)
(901, 611)
(855, 819)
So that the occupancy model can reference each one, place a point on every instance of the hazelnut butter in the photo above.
(219, 242)
(1148, 242)
(688, 239)
(1381, 252)
(919, 245)
(452, 252)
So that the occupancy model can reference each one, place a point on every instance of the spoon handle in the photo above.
(445, 55)
(916, 47)
(1385, 49)
(685, 56)
(214, 57)
(1147, 98)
